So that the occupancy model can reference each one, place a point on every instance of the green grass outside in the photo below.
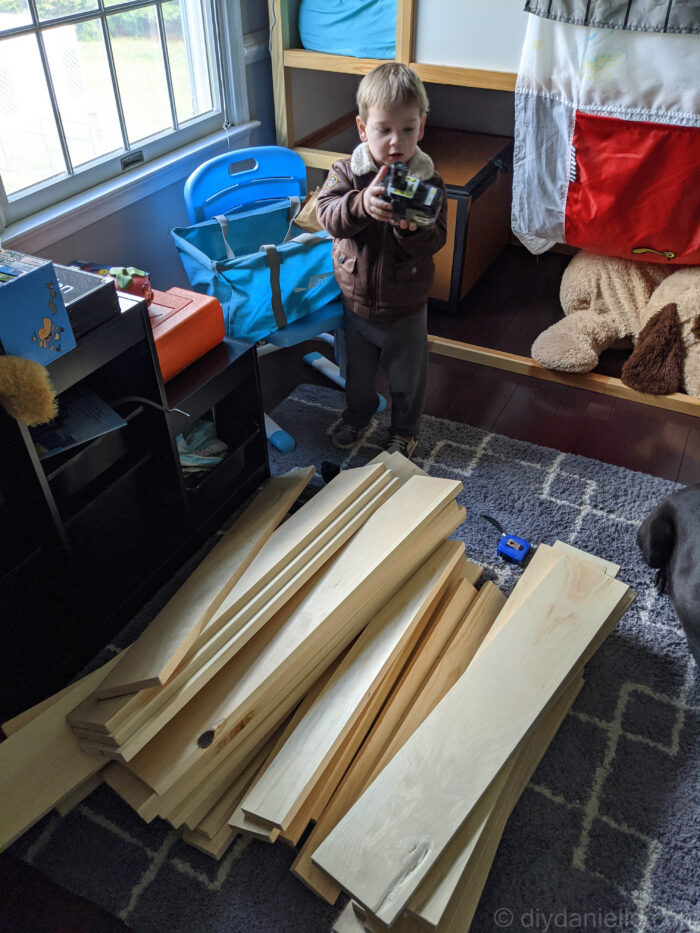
(30, 152)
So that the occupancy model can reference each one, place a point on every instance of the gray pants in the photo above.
(401, 349)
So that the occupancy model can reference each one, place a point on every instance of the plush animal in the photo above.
(26, 392)
(669, 539)
(606, 300)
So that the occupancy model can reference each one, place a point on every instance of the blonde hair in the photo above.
(389, 85)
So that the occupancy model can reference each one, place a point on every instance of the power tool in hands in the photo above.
(411, 199)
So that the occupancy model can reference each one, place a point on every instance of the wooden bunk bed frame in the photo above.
(287, 55)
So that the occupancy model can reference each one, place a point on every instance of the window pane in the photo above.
(30, 150)
(50, 9)
(138, 57)
(14, 13)
(83, 87)
(189, 60)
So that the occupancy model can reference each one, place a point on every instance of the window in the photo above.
(90, 88)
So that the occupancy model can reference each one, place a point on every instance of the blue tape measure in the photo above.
(510, 547)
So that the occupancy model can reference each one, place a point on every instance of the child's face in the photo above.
(392, 134)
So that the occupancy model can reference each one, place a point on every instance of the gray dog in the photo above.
(669, 539)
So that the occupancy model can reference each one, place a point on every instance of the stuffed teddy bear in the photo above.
(26, 392)
(606, 300)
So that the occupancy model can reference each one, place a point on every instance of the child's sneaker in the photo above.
(402, 445)
(345, 436)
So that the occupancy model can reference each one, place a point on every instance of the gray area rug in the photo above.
(605, 837)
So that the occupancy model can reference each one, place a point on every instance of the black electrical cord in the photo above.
(494, 523)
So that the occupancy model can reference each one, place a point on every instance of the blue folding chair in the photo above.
(259, 173)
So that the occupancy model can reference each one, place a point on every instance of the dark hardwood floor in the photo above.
(514, 301)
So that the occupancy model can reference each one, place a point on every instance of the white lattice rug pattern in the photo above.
(605, 836)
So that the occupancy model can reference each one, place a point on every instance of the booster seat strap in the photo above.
(223, 223)
(273, 261)
(294, 208)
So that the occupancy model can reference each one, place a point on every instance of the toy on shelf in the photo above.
(606, 300)
(26, 392)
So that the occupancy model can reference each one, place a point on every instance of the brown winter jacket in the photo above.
(383, 272)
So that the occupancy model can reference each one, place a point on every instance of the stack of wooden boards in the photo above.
(190, 704)
(415, 846)
(336, 668)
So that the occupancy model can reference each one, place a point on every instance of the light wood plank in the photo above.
(400, 466)
(218, 815)
(78, 794)
(166, 640)
(282, 553)
(348, 920)
(474, 849)
(318, 158)
(460, 874)
(282, 702)
(216, 847)
(273, 601)
(317, 799)
(323, 61)
(278, 703)
(607, 566)
(328, 783)
(10, 726)
(353, 587)
(457, 917)
(133, 791)
(452, 663)
(41, 763)
(592, 382)
(543, 560)
(194, 789)
(404, 31)
(465, 77)
(283, 786)
(479, 835)
(430, 665)
(282, 28)
(342, 496)
(241, 822)
(122, 716)
(514, 679)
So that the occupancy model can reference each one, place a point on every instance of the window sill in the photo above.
(40, 230)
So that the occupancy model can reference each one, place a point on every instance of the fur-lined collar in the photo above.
(421, 165)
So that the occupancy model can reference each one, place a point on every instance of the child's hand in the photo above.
(404, 224)
(377, 207)
(373, 200)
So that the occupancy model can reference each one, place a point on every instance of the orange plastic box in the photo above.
(186, 325)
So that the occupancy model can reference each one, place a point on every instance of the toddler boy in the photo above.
(383, 265)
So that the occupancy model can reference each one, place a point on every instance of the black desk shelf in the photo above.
(90, 534)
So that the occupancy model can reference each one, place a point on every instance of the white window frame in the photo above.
(66, 205)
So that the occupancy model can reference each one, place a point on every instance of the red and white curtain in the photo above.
(607, 129)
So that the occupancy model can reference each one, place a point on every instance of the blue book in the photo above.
(82, 417)
(34, 322)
